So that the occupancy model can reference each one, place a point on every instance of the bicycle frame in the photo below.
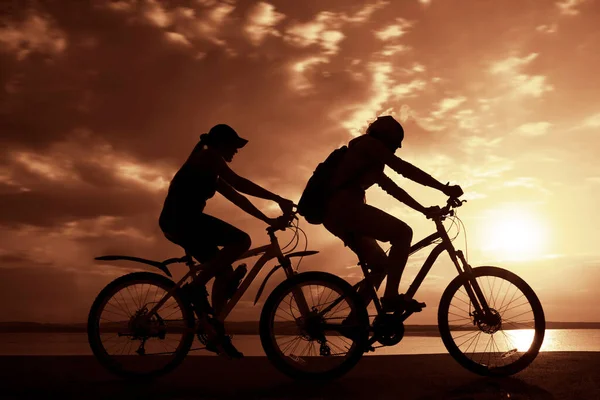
(268, 252)
(473, 290)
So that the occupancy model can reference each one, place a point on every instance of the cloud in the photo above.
(534, 128)
(364, 113)
(476, 144)
(119, 5)
(68, 162)
(300, 69)
(531, 85)
(366, 12)
(553, 28)
(156, 14)
(394, 31)
(569, 7)
(411, 88)
(593, 121)
(261, 21)
(99, 227)
(46, 167)
(390, 50)
(448, 104)
(491, 166)
(512, 64)
(77, 179)
(468, 120)
(527, 182)
(178, 38)
(182, 25)
(322, 31)
(522, 84)
(36, 33)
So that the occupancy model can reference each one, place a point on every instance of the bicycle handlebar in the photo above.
(285, 219)
(447, 210)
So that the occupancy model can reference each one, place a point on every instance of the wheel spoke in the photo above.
(512, 308)
(460, 309)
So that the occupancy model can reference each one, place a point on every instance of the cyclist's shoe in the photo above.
(234, 280)
(222, 346)
(229, 348)
(400, 303)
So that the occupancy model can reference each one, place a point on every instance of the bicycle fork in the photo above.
(482, 308)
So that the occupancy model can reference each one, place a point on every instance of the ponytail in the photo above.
(205, 140)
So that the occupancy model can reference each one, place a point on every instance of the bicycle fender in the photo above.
(301, 253)
(287, 256)
(156, 264)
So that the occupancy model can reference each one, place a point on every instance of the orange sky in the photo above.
(101, 101)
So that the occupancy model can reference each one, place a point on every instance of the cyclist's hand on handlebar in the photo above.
(455, 202)
(287, 206)
(281, 222)
(453, 191)
(431, 212)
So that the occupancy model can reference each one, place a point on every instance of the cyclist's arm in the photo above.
(241, 201)
(377, 150)
(398, 193)
(242, 184)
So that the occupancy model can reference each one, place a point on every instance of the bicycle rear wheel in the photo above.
(129, 342)
(324, 344)
(502, 343)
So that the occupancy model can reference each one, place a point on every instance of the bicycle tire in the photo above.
(360, 335)
(538, 325)
(93, 325)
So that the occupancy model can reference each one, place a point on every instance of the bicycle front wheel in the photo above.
(501, 343)
(128, 341)
(324, 343)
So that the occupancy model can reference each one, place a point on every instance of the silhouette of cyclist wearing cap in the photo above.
(183, 221)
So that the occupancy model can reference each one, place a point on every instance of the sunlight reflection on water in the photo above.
(76, 343)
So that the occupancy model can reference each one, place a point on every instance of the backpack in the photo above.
(318, 189)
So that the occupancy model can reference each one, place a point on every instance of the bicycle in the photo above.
(469, 310)
(158, 319)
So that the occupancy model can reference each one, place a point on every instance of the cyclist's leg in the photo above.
(202, 240)
(374, 223)
(233, 242)
(201, 237)
(368, 250)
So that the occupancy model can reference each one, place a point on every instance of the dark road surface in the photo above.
(560, 376)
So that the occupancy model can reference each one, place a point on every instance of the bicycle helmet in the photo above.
(388, 130)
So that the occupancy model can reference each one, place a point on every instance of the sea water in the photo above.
(77, 343)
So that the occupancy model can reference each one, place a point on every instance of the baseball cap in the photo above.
(223, 133)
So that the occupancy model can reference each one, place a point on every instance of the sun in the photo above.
(514, 233)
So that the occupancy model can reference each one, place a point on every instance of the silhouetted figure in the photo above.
(359, 225)
(183, 222)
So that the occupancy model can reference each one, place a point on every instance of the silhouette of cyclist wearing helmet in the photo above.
(183, 222)
(359, 225)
